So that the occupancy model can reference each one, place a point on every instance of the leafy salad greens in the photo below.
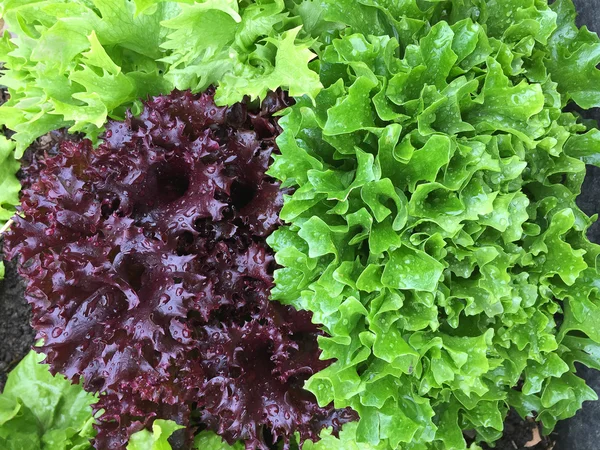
(430, 170)
(434, 232)
(42, 411)
(147, 269)
(75, 63)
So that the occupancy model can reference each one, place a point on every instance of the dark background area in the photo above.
(579, 433)
(582, 432)
(16, 336)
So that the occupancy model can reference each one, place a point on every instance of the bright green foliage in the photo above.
(210, 441)
(433, 229)
(574, 57)
(246, 51)
(348, 441)
(41, 412)
(9, 184)
(155, 440)
(74, 63)
(163, 429)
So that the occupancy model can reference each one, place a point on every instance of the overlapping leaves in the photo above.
(76, 63)
(9, 185)
(39, 411)
(433, 229)
(149, 277)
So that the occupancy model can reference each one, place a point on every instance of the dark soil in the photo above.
(16, 336)
(522, 434)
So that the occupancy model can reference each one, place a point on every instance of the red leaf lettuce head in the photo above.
(149, 275)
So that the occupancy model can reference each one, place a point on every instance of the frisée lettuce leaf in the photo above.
(432, 225)
(76, 63)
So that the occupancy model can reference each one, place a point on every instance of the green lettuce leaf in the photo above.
(573, 58)
(156, 439)
(247, 51)
(9, 184)
(84, 62)
(432, 229)
(45, 412)
(75, 64)
(207, 440)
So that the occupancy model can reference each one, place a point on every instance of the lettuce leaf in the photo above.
(9, 185)
(574, 58)
(42, 411)
(74, 64)
(163, 429)
(155, 440)
(208, 319)
(247, 51)
(207, 440)
(432, 227)
(39, 411)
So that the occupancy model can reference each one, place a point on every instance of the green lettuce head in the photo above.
(433, 229)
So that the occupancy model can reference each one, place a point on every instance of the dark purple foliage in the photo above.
(47, 145)
(149, 276)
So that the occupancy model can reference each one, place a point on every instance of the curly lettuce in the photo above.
(76, 63)
(39, 411)
(168, 225)
(432, 228)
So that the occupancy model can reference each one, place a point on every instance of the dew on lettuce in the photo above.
(432, 228)
(149, 276)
